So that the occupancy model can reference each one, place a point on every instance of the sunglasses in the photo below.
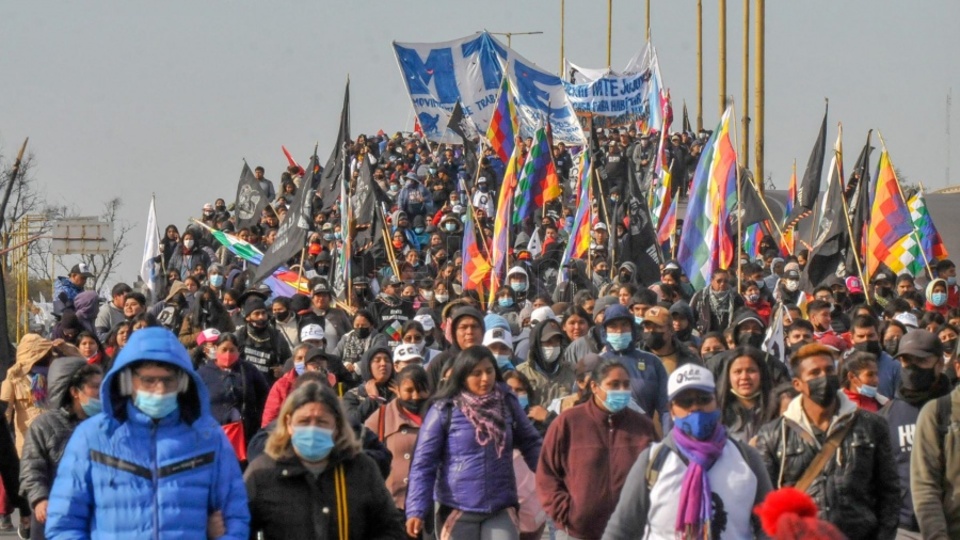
(685, 402)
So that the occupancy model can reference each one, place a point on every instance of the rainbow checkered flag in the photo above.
(890, 238)
(930, 241)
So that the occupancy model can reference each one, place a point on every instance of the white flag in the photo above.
(534, 246)
(151, 250)
(774, 342)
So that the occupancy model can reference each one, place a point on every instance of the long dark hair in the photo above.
(598, 374)
(207, 311)
(725, 397)
(417, 375)
(465, 362)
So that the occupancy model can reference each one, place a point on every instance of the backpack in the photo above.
(660, 454)
(168, 318)
(945, 417)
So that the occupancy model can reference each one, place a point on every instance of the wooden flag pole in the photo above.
(856, 256)
(916, 234)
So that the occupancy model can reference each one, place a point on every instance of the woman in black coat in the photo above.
(314, 481)
(237, 392)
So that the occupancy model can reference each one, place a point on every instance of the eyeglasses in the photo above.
(685, 402)
(169, 382)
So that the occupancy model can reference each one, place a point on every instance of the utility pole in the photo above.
(949, 99)
(609, 32)
(563, 12)
(746, 87)
(648, 21)
(759, 74)
(699, 65)
(722, 79)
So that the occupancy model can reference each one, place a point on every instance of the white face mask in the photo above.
(550, 354)
(188, 244)
(791, 285)
(428, 295)
(442, 297)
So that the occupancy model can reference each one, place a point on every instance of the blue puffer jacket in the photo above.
(125, 475)
(467, 476)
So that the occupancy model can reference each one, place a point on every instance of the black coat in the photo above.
(287, 502)
(858, 490)
(237, 393)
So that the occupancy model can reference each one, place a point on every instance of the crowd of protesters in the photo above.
(594, 405)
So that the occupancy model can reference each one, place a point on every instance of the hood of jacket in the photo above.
(742, 316)
(87, 305)
(31, 349)
(461, 312)
(536, 340)
(683, 309)
(364, 363)
(58, 380)
(928, 293)
(614, 312)
(156, 344)
(845, 411)
(176, 288)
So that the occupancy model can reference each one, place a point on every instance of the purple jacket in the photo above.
(460, 473)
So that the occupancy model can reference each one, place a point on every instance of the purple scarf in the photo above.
(486, 414)
(694, 512)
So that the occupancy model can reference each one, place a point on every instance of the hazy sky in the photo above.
(133, 98)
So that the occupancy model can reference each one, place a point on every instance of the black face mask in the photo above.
(891, 345)
(654, 340)
(823, 390)
(708, 355)
(258, 325)
(950, 346)
(872, 347)
(281, 316)
(363, 333)
(917, 378)
(750, 339)
(411, 405)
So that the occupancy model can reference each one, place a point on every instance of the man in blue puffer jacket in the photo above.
(154, 463)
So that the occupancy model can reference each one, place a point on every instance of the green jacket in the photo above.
(935, 481)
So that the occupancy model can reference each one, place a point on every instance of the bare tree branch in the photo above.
(104, 265)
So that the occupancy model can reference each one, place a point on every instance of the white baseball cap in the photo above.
(542, 314)
(407, 353)
(690, 376)
(426, 321)
(907, 319)
(312, 332)
(497, 335)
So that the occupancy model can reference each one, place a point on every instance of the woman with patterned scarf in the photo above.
(465, 454)
(698, 483)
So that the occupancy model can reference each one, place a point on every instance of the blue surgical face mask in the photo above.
(616, 400)
(698, 424)
(418, 230)
(952, 280)
(91, 407)
(328, 237)
(503, 362)
(867, 390)
(638, 319)
(505, 302)
(299, 367)
(155, 406)
(524, 401)
(938, 299)
(519, 286)
(619, 341)
(216, 280)
(312, 443)
(450, 227)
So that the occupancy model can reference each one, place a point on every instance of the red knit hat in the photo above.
(790, 514)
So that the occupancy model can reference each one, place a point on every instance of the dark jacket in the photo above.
(584, 463)
(287, 502)
(707, 320)
(238, 393)
(47, 436)
(358, 404)
(464, 475)
(858, 490)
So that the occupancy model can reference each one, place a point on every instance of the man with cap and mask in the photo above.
(154, 462)
(261, 344)
(698, 482)
(749, 330)
(334, 321)
(839, 454)
(549, 376)
(659, 339)
(921, 380)
(788, 287)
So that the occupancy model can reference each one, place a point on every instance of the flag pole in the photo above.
(770, 213)
(856, 256)
(736, 142)
(916, 234)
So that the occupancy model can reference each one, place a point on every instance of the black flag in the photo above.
(809, 188)
(750, 209)
(367, 203)
(459, 124)
(329, 189)
(686, 119)
(250, 199)
(292, 233)
(829, 251)
(639, 246)
(859, 203)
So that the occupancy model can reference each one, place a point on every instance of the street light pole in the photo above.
(511, 34)
(758, 116)
(609, 31)
(562, 16)
(722, 48)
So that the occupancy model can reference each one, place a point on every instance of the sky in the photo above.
(137, 98)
